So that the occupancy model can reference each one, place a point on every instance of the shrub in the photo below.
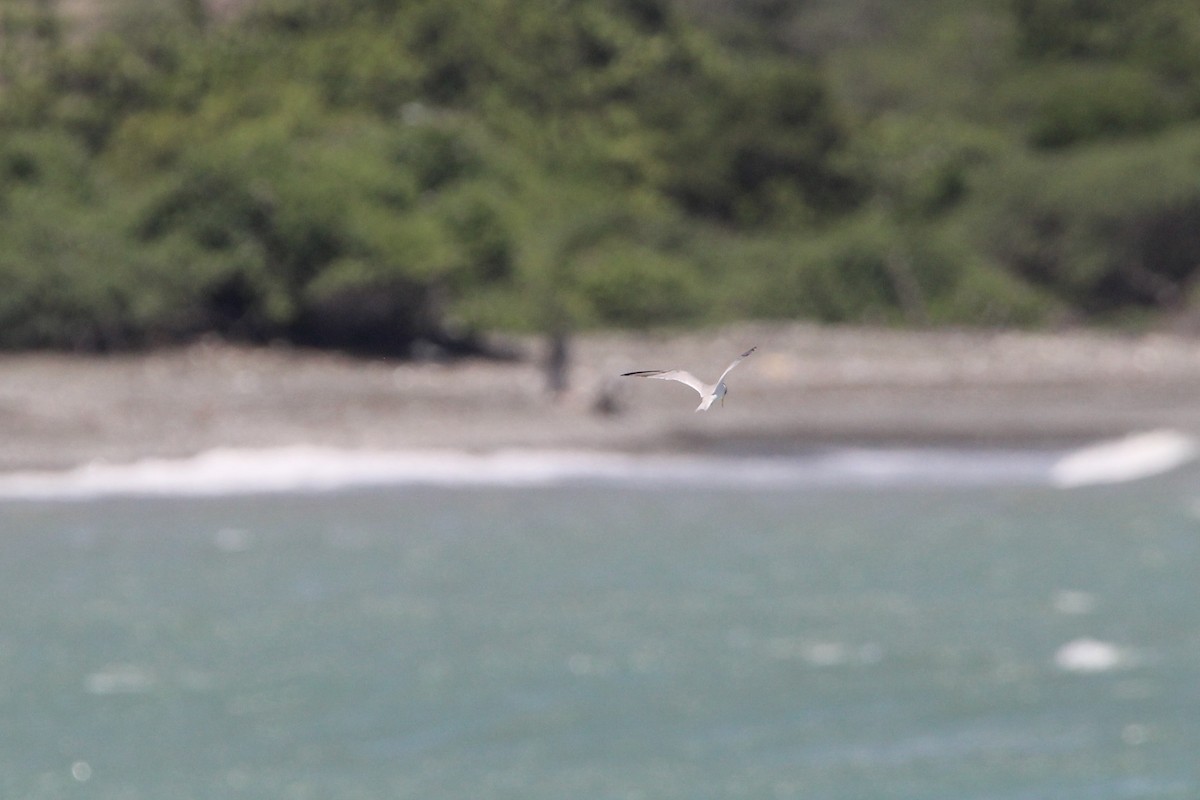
(1078, 103)
(43, 159)
(735, 137)
(919, 165)
(69, 281)
(1103, 228)
(628, 284)
(1160, 39)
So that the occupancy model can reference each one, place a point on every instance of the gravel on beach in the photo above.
(806, 386)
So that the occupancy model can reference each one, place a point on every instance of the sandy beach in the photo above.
(806, 386)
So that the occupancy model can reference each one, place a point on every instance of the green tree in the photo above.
(1108, 67)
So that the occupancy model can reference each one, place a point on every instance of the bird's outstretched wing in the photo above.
(680, 375)
(736, 361)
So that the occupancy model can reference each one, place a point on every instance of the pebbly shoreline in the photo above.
(806, 386)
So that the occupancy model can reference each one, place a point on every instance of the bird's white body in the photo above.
(709, 392)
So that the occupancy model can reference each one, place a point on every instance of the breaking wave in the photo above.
(306, 468)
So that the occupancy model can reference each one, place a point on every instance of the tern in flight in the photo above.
(708, 391)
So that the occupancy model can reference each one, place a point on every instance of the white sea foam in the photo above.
(1087, 656)
(312, 468)
(297, 469)
(308, 468)
(1130, 458)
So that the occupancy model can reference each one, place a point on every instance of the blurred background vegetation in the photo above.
(371, 174)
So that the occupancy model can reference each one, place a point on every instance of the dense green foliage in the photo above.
(369, 173)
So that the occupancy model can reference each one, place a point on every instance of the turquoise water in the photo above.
(605, 641)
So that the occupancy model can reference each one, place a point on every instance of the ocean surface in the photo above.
(852, 624)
